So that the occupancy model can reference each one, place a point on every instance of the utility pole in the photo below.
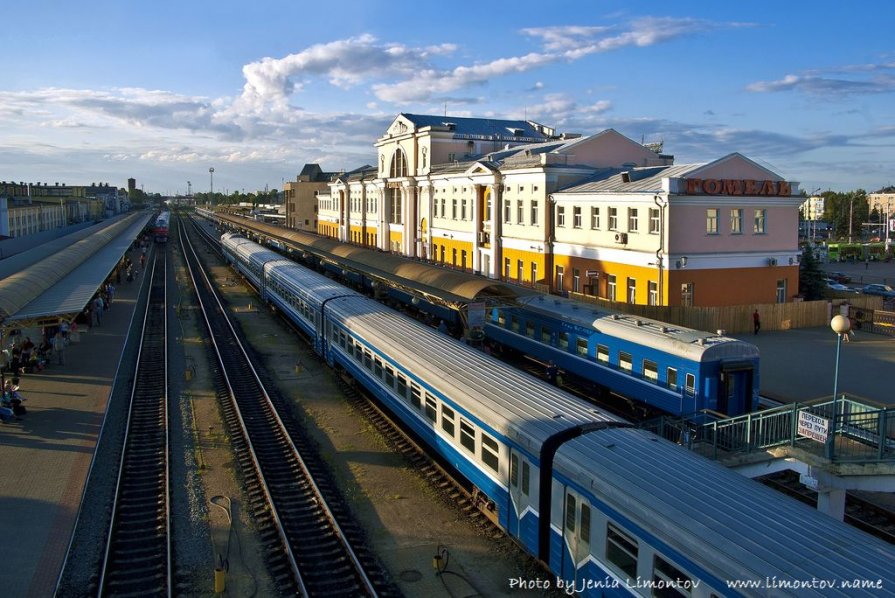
(851, 212)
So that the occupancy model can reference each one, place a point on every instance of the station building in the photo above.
(600, 215)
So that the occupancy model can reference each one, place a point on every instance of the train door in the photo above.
(522, 523)
(576, 533)
(735, 391)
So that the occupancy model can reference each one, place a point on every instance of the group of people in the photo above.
(11, 400)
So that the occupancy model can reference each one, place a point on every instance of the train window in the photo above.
(467, 435)
(514, 323)
(431, 408)
(545, 335)
(621, 550)
(342, 339)
(526, 477)
(570, 512)
(650, 371)
(584, 531)
(530, 329)
(416, 395)
(691, 384)
(402, 386)
(447, 420)
(671, 378)
(358, 351)
(490, 452)
(669, 581)
(501, 318)
(377, 367)
(603, 353)
(624, 361)
(514, 470)
(389, 376)
(564, 340)
(368, 359)
(581, 343)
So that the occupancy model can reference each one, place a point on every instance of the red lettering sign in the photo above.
(737, 187)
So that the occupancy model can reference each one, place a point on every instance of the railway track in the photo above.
(313, 548)
(860, 513)
(137, 559)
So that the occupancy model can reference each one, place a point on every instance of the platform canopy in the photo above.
(58, 286)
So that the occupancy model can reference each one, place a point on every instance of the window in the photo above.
(467, 435)
(389, 376)
(621, 550)
(514, 471)
(711, 221)
(447, 420)
(654, 221)
(368, 359)
(576, 217)
(595, 218)
(545, 335)
(514, 323)
(691, 384)
(529, 328)
(650, 371)
(526, 477)
(624, 361)
(490, 452)
(506, 267)
(463, 209)
(560, 273)
(670, 582)
(736, 221)
(520, 270)
(576, 280)
(632, 220)
(610, 287)
(632, 290)
(402, 386)
(454, 209)
(377, 367)
(581, 345)
(570, 512)
(560, 216)
(534, 212)
(416, 395)
(584, 530)
(506, 211)
(653, 290)
(687, 294)
(534, 272)
(564, 341)
(671, 378)
(613, 218)
(759, 227)
(520, 208)
(781, 290)
(431, 408)
(603, 353)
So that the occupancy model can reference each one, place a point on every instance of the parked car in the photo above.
(835, 286)
(883, 290)
(840, 277)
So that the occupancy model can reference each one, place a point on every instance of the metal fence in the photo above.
(859, 433)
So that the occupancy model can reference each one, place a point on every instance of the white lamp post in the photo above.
(840, 325)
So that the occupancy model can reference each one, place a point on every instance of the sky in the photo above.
(104, 90)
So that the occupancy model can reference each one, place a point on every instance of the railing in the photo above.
(859, 433)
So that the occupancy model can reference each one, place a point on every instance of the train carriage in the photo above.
(624, 508)
(160, 227)
(675, 369)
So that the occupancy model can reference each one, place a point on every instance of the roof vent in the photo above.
(450, 126)
(614, 316)
(626, 177)
(638, 322)
(700, 342)
(721, 332)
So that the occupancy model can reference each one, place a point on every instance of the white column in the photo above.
(476, 227)
(496, 231)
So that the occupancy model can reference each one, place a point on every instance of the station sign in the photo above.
(737, 187)
(813, 426)
(592, 273)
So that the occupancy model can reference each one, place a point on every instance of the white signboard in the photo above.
(813, 426)
(475, 316)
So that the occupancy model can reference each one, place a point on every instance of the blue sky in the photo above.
(160, 91)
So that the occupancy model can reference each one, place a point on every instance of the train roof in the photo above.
(744, 529)
(671, 338)
(509, 401)
(306, 282)
(255, 253)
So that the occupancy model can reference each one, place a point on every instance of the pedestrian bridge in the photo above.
(835, 445)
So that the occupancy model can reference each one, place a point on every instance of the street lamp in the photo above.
(840, 325)
(211, 174)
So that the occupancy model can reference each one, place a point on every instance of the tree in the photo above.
(811, 277)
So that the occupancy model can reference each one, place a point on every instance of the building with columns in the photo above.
(600, 215)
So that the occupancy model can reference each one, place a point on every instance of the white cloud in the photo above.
(863, 79)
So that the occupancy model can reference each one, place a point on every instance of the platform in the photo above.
(47, 455)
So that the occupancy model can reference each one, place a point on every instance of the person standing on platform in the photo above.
(98, 310)
(552, 373)
(59, 347)
(756, 321)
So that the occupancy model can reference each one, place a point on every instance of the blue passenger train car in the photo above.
(611, 510)
(675, 369)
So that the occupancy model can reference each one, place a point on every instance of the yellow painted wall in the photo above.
(527, 257)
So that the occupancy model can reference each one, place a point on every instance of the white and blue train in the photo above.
(611, 510)
(675, 369)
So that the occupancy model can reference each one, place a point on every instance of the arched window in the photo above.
(398, 166)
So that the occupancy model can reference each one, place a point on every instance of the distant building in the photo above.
(300, 197)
